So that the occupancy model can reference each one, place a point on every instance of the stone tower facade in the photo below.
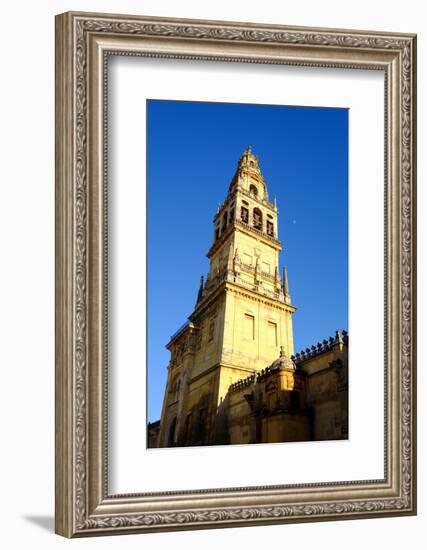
(242, 320)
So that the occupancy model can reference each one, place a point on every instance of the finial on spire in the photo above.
(285, 282)
(248, 168)
(248, 156)
(200, 293)
(338, 340)
(282, 351)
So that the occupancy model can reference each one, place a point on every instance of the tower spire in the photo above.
(248, 170)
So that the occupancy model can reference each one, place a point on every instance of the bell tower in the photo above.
(242, 319)
(244, 262)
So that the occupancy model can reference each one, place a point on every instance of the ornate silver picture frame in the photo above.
(84, 505)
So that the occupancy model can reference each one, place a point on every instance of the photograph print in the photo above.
(247, 269)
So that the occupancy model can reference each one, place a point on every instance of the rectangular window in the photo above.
(265, 267)
(224, 221)
(247, 259)
(272, 334)
(249, 327)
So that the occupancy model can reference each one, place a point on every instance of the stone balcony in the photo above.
(228, 275)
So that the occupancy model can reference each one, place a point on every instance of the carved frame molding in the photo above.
(83, 43)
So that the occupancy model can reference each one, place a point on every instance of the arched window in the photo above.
(224, 222)
(257, 217)
(253, 189)
(244, 215)
(270, 228)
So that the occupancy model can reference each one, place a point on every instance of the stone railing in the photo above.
(214, 281)
(247, 227)
(252, 379)
(258, 288)
(244, 383)
(257, 231)
(321, 347)
(251, 269)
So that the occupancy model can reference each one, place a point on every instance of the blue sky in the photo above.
(192, 152)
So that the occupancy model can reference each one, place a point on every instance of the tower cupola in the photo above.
(248, 176)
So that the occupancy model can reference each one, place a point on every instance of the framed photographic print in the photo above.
(234, 376)
(235, 274)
